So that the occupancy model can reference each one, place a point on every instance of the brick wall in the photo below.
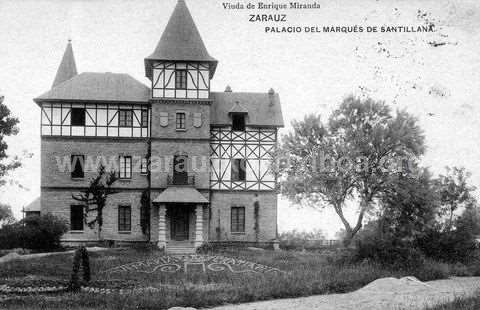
(170, 131)
(220, 208)
(57, 202)
(198, 153)
(56, 152)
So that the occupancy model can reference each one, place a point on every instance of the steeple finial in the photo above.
(67, 68)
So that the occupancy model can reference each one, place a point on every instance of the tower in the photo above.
(180, 66)
(180, 69)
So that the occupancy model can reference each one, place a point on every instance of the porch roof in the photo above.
(180, 194)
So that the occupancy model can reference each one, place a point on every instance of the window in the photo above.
(76, 217)
(125, 118)
(180, 170)
(125, 167)
(238, 122)
(124, 218)
(144, 118)
(238, 169)
(77, 117)
(77, 162)
(144, 166)
(238, 220)
(181, 79)
(180, 120)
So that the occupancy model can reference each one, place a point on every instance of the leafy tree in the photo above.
(7, 128)
(409, 206)
(347, 158)
(94, 198)
(35, 232)
(378, 142)
(6, 215)
(310, 177)
(454, 192)
(469, 220)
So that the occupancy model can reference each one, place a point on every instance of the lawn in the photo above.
(472, 303)
(303, 274)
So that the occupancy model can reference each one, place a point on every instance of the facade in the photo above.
(193, 164)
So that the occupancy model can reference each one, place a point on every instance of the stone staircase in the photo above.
(180, 247)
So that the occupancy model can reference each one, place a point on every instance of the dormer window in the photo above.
(181, 79)
(238, 122)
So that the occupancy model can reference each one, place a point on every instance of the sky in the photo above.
(435, 76)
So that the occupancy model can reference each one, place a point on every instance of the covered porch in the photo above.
(180, 218)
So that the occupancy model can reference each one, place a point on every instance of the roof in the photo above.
(181, 40)
(67, 68)
(238, 108)
(263, 108)
(33, 206)
(95, 86)
(180, 194)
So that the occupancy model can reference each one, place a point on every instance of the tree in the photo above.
(469, 220)
(377, 143)
(94, 198)
(6, 215)
(454, 192)
(347, 158)
(409, 206)
(310, 177)
(7, 128)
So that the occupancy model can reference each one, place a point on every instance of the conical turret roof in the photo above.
(67, 68)
(181, 40)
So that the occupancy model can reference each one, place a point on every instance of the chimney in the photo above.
(271, 92)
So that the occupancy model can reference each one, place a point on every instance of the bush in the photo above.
(387, 251)
(450, 246)
(431, 270)
(36, 233)
(300, 240)
(80, 259)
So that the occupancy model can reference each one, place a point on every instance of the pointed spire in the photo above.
(67, 68)
(181, 40)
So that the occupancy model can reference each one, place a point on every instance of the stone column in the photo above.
(199, 226)
(162, 228)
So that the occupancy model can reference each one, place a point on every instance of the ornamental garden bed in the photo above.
(147, 279)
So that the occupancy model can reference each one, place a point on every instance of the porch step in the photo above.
(180, 248)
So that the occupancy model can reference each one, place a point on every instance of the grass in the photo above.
(471, 303)
(306, 274)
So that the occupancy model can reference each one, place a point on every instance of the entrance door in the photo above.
(179, 223)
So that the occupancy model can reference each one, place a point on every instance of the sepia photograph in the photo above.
(240, 155)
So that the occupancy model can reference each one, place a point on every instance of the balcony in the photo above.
(180, 179)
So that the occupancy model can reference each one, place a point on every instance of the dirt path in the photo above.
(382, 294)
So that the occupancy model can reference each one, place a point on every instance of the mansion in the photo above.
(231, 198)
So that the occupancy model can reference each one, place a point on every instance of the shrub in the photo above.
(80, 256)
(432, 270)
(205, 248)
(36, 233)
(451, 246)
(389, 251)
(299, 240)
